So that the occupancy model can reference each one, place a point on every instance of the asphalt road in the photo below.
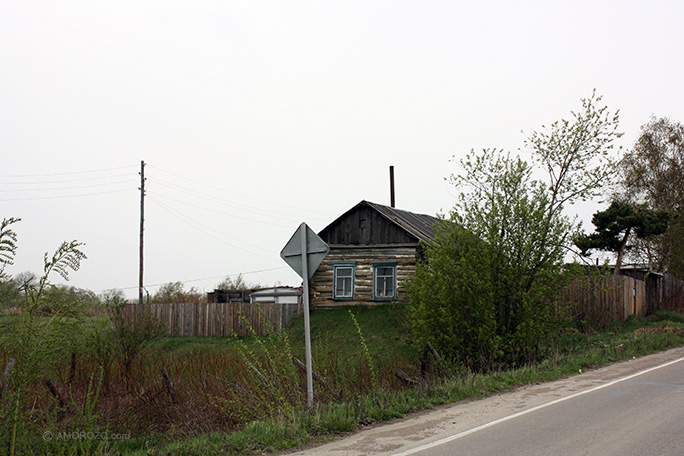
(629, 408)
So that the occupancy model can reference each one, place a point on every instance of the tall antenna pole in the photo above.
(142, 230)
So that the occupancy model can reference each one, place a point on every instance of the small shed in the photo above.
(277, 295)
(279, 304)
(373, 250)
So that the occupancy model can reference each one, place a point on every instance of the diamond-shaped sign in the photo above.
(316, 250)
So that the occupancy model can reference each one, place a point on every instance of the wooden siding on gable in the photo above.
(365, 226)
(363, 258)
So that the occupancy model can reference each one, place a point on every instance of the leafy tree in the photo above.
(483, 295)
(25, 280)
(58, 295)
(576, 153)
(125, 337)
(174, 292)
(114, 294)
(617, 224)
(236, 283)
(652, 176)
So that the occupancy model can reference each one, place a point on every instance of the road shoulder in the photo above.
(416, 430)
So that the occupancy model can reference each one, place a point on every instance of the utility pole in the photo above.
(142, 230)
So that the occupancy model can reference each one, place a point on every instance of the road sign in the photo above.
(304, 252)
(316, 250)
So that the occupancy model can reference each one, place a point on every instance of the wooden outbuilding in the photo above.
(373, 250)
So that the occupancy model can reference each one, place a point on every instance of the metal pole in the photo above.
(307, 325)
(392, 186)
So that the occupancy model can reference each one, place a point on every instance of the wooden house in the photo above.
(373, 249)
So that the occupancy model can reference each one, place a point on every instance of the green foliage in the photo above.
(10, 294)
(615, 225)
(366, 351)
(206, 374)
(8, 245)
(131, 334)
(651, 176)
(66, 258)
(450, 303)
(14, 291)
(59, 295)
(174, 292)
(575, 153)
(669, 316)
(236, 283)
(38, 344)
(652, 171)
(483, 296)
(272, 387)
(571, 351)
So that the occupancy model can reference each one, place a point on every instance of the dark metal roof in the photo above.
(419, 225)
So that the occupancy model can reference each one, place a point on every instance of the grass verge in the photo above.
(573, 351)
(229, 396)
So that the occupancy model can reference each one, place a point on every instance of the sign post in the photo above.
(304, 252)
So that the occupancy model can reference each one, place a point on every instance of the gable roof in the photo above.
(420, 226)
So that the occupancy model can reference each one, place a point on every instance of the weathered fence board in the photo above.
(219, 319)
(612, 298)
(672, 293)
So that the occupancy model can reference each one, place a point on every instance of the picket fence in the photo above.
(213, 319)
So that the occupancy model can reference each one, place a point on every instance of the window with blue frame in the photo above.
(343, 281)
(384, 281)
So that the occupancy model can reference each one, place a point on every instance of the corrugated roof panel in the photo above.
(420, 225)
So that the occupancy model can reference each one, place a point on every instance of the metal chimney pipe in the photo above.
(391, 186)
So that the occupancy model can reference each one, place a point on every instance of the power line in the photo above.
(66, 196)
(183, 218)
(66, 173)
(220, 212)
(104, 184)
(214, 199)
(58, 189)
(242, 195)
(200, 280)
(61, 181)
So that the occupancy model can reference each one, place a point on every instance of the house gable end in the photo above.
(364, 224)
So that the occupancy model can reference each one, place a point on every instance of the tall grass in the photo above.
(243, 395)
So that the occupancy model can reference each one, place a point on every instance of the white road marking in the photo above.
(533, 409)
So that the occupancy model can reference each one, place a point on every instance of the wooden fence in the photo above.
(672, 293)
(613, 298)
(219, 319)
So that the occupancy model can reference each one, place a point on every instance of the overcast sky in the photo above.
(253, 116)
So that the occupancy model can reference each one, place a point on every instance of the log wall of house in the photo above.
(321, 284)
